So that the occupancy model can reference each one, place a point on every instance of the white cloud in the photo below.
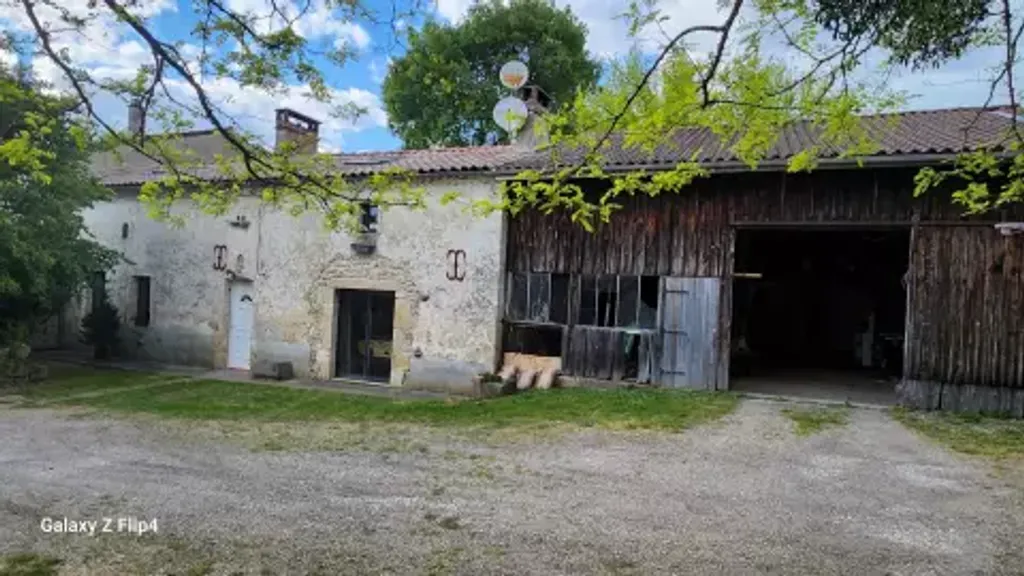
(453, 10)
(314, 20)
(109, 51)
(607, 33)
(350, 32)
(379, 69)
(7, 58)
(98, 45)
(253, 109)
(962, 82)
(329, 148)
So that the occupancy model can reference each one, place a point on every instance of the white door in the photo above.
(240, 328)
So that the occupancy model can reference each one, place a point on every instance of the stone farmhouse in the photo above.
(835, 279)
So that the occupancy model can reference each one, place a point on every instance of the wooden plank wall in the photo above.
(689, 234)
(966, 317)
(593, 353)
(965, 321)
(663, 236)
(596, 352)
(691, 350)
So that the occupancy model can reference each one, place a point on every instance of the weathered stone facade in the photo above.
(296, 266)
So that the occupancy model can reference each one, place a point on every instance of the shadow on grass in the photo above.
(65, 381)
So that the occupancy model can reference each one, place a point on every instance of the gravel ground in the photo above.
(741, 496)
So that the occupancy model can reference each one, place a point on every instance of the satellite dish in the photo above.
(510, 113)
(514, 75)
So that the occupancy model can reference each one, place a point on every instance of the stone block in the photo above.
(447, 376)
(274, 370)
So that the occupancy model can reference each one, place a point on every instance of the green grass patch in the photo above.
(218, 400)
(968, 433)
(28, 565)
(64, 381)
(809, 421)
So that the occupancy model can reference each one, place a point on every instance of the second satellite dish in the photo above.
(514, 75)
(510, 113)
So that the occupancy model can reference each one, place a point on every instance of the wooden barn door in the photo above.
(689, 325)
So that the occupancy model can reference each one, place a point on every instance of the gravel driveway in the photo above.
(742, 496)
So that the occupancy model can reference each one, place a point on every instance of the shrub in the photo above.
(100, 330)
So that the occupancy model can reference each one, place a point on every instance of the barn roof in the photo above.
(905, 136)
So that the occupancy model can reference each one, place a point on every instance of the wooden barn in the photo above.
(832, 283)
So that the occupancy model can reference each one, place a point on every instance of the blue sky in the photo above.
(109, 50)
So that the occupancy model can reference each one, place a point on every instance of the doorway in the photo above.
(819, 312)
(240, 324)
(363, 344)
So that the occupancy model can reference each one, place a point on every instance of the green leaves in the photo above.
(979, 181)
(916, 32)
(46, 253)
(442, 90)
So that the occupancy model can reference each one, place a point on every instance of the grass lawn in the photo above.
(240, 401)
(813, 420)
(67, 380)
(967, 433)
(28, 565)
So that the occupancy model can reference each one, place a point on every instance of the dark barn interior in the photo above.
(819, 306)
(364, 332)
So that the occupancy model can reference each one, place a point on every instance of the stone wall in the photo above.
(296, 267)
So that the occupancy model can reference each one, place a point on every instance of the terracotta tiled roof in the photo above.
(921, 134)
(135, 169)
(903, 134)
(440, 160)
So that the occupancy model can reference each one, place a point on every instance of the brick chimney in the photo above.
(533, 134)
(136, 117)
(298, 128)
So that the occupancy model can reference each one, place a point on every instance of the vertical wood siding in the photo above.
(966, 312)
(689, 234)
(594, 352)
(690, 321)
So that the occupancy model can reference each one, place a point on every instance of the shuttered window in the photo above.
(142, 301)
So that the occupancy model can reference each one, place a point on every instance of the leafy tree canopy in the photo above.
(442, 90)
(917, 32)
(46, 253)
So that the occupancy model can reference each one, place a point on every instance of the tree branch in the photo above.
(1011, 61)
(719, 52)
(69, 73)
(722, 29)
(250, 159)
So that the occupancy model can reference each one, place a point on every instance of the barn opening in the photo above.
(819, 312)
(362, 347)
